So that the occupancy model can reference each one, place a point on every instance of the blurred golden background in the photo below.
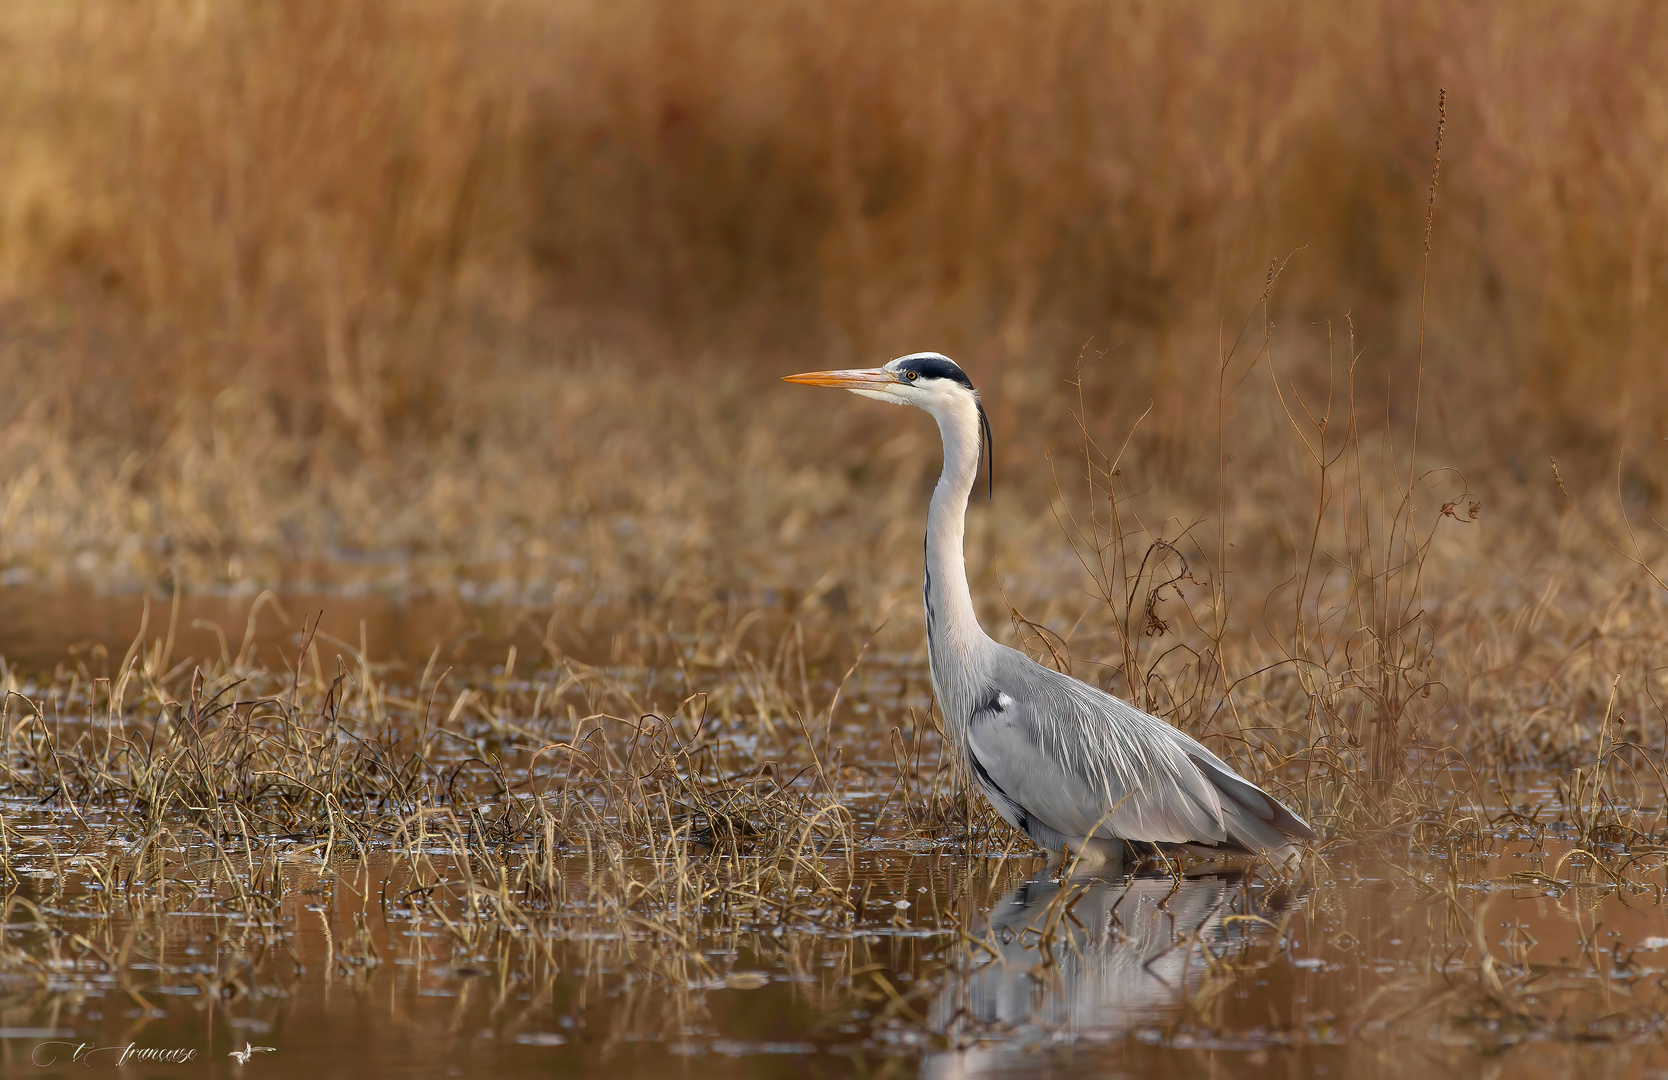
(458, 324)
(413, 293)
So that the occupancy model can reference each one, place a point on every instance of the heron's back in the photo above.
(1052, 750)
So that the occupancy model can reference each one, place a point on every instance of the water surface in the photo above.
(1490, 944)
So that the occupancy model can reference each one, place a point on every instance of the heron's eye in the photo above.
(910, 375)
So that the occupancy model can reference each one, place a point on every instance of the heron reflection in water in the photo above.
(1083, 959)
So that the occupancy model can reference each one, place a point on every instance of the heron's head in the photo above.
(927, 380)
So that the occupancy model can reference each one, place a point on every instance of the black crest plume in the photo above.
(984, 441)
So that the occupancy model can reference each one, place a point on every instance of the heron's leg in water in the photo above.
(1097, 855)
(1057, 844)
(1100, 857)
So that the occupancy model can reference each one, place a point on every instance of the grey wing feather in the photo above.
(1087, 764)
(1262, 810)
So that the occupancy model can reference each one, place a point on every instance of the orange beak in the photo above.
(854, 379)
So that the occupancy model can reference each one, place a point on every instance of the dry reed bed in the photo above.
(314, 201)
(298, 284)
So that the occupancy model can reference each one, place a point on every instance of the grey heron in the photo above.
(1078, 770)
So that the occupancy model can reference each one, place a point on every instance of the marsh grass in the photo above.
(659, 859)
(730, 782)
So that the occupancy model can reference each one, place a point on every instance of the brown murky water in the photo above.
(956, 968)
(1502, 951)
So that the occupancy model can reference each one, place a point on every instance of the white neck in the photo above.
(956, 643)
